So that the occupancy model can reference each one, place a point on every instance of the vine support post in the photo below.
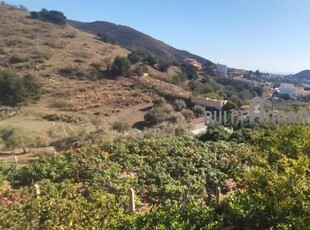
(37, 190)
(132, 206)
(15, 159)
(218, 196)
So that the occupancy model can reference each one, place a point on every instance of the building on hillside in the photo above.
(210, 103)
(194, 62)
(286, 88)
(222, 70)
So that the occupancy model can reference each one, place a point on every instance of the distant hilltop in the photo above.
(303, 75)
(133, 39)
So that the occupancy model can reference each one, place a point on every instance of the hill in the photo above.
(133, 39)
(80, 93)
(303, 75)
(72, 66)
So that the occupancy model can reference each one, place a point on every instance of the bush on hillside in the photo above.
(120, 67)
(159, 114)
(178, 79)
(189, 71)
(18, 59)
(164, 65)
(53, 16)
(199, 110)
(137, 71)
(120, 126)
(134, 57)
(158, 101)
(215, 134)
(106, 38)
(188, 114)
(32, 87)
(15, 89)
(151, 60)
(179, 105)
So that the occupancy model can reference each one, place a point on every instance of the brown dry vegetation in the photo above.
(71, 65)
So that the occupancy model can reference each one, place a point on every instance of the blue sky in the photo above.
(268, 35)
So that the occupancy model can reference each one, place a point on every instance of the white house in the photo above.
(286, 88)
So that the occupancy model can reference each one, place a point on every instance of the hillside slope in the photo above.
(69, 63)
(133, 39)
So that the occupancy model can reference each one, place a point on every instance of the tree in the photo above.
(120, 67)
(15, 89)
(190, 71)
(134, 57)
(150, 60)
(229, 106)
(158, 114)
(164, 65)
(53, 16)
(11, 89)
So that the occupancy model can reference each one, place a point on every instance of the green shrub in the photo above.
(7, 172)
(138, 71)
(73, 72)
(215, 134)
(106, 38)
(134, 57)
(189, 71)
(159, 114)
(11, 88)
(189, 217)
(120, 67)
(199, 110)
(158, 101)
(15, 89)
(178, 79)
(188, 114)
(164, 65)
(18, 138)
(120, 126)
(41, 56)
(32, 87)
(55, 17)
(18, 59)
(179, 105)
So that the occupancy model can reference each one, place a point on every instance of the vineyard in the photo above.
(264, 180)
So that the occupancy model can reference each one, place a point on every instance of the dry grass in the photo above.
(43, 49)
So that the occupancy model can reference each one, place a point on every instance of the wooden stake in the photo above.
(132, 206)
(37, 189)
(218, 196)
